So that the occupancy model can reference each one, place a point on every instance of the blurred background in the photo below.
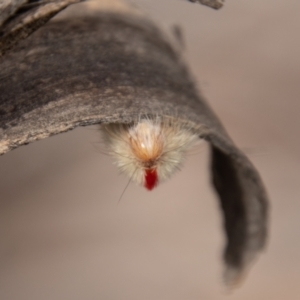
(63, 234)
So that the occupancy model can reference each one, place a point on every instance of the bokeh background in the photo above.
(63, 236)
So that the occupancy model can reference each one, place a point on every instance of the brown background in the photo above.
(63, 236)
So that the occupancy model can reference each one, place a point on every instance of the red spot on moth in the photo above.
(151, 179)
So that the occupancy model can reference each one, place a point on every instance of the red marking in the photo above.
(151, 179)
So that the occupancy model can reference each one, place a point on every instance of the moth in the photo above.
(150, 149)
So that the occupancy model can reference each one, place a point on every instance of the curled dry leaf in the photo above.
(115, 68)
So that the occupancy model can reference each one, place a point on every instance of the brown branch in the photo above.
(216, 4)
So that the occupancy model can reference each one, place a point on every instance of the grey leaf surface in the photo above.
(20, 18)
